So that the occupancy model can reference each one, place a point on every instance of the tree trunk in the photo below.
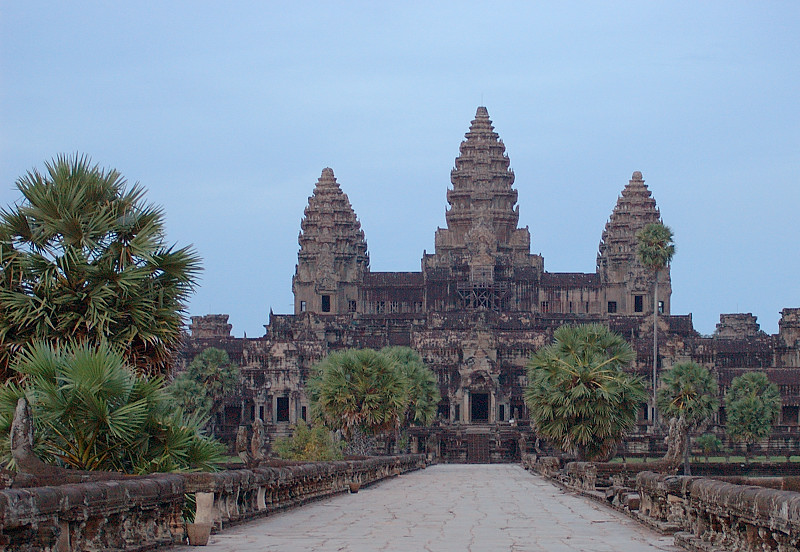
(655, 348)
(687, 469)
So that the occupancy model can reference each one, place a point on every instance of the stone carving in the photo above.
(480, 306)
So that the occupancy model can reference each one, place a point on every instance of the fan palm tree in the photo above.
(655, 251)
(357, 391)
(688, 395)
(92, 412)
(753, 405)
(83, 257)
(421, 387)
(207, 380)
(579, 397)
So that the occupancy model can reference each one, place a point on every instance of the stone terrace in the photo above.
(447, 507)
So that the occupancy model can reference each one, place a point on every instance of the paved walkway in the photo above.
(471, 508)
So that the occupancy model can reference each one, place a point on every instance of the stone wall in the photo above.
(705, 514)
(143, 513)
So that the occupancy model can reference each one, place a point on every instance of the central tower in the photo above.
(481, 250)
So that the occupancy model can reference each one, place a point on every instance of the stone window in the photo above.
(351, 306)
(638, 303)
(417, 306)
(326, 303)
(457, 413)
(380, 307)
(545, 306)
(302, 306)
(661, 307)
(393, 307)
(612, 306)
(789, 415)
(304, 413)
(501, 416)
(282, 414)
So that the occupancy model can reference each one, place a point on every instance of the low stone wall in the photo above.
(133, 514)
(142, 513)
(706, 515)
(236, 495)
(715, 515)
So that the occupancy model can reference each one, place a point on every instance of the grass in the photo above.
(713, 459)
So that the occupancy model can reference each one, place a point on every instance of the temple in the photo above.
(480, 306)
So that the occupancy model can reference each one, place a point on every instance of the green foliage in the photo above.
(93, 412)
(753, 405)
(208, 378)
(688, 391)
(190, 395)
(708, 443)
(655, 247)
(579, 396)
(421, 388)
(83, 257)
(309, 443)
(357, 391)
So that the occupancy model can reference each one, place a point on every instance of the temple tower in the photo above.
(333, 252)
(628, 286)
(482, 244)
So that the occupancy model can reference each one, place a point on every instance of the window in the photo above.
(502, 414)
(380, 307)
(661, 307)
(304, 413)
(545, 306)
(326, 303)
(351, 306)
(302, 306)
(261, 413)
(282, 415)
(612, 306)
(638, 303)
(417, 306)
(394, 307)
(457, 414)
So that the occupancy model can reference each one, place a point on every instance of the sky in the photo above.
(227, 112)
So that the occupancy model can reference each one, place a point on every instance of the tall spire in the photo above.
(333, 251)
(635, 209)
(483, 214)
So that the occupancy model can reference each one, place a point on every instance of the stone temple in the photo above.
(481, 304)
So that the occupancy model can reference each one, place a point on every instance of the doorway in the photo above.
(479, 407)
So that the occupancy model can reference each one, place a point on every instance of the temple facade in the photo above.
(481, 304)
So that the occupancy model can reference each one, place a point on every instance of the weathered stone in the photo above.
(480, 305)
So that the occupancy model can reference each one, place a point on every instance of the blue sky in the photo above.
(228, 112)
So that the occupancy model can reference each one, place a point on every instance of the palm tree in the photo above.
(357, 392)
(207, 380)
(752, 405)
(579, 396)
(93, 412)
(421, 388)
(688, 394)
(655, 251)
(83, 257)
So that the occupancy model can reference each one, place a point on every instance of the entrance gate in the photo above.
(477, 448)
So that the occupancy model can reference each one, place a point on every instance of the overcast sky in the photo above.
(227, 112)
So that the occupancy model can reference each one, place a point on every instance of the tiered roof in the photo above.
(635, 209)
(482, 183)
(330, 229)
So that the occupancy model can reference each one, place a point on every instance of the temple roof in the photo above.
(634, 210)
(329, 225)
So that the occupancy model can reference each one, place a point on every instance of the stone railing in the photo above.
(127, 514)
(229, 497)
(142, 513)
(712, 514)
(547, 466)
